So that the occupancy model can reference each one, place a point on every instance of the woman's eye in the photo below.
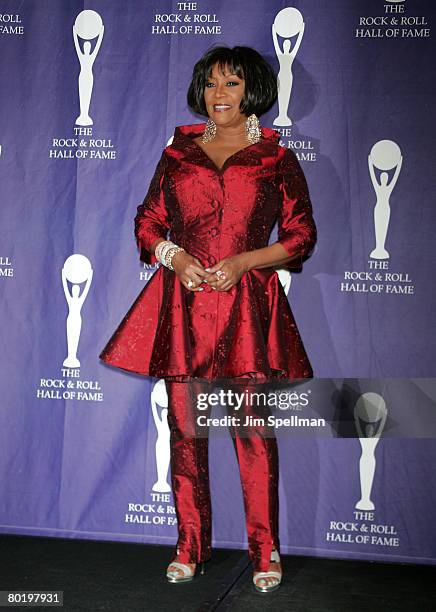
(228, 83)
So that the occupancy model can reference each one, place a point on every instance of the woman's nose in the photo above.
(219, 91)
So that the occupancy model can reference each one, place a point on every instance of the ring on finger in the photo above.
(220, 274)
(190, 283)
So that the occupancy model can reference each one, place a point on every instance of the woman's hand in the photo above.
(233, 268)
(187, 267)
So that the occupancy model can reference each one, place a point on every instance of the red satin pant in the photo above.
(257, 456)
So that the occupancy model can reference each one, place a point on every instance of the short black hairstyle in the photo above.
(260, 80)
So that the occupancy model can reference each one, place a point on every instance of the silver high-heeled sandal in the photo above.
(261, 576)
(187, 573)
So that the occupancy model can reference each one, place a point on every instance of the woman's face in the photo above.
(222, 95)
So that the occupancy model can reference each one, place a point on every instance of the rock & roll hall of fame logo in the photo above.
(78, 272)
(159, 409)
(288, 24)
(285, 279)
(88, 31)
(76, 275)
(287, 34)
(6, 267)
(385, 157)
(158, 510)
(370, 415)
(370, 418)
(87, 27)
(383, 164)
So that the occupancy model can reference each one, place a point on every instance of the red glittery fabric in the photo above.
(257, 455)
(249, 331)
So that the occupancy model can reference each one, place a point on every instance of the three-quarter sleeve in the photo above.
(296, 226)
(152, 219)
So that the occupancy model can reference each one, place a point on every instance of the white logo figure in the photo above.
(384, 155)
(88, 25)
(395, 0)
(285, 279)
(77, 269)
(287, 23)
(370, 414)
(159, 397)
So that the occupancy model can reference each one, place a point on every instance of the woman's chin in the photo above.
(225, 118)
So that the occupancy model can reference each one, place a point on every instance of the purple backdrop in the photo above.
(83, 447)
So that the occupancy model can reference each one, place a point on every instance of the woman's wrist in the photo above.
(246, 260)
(266, 257)
(165, 251)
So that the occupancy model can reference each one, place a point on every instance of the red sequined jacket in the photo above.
(248, 331)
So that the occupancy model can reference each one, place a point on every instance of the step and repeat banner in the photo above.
(90, 95)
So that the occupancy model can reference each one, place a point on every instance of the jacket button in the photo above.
(215, 203)
(214, 231)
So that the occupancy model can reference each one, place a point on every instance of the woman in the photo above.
(215, 310)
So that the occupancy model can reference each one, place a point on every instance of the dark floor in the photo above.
(123, 577)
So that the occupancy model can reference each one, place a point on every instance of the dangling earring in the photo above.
(210, 131)
(252, 129)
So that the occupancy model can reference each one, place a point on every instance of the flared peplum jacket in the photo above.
(248, 331)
